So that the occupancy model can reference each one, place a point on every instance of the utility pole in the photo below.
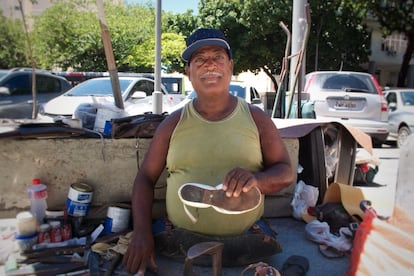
(29, 46)
(157, 94)
(158, 47)
(299, 27)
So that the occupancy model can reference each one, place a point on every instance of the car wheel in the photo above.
(403, 133)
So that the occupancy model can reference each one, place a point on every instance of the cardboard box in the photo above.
(327, 153)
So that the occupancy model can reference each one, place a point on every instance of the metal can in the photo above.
(79, 199)
(66, 231)
(117, 219)
(44, 233)
(55, 232)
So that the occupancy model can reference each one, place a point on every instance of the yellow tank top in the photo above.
(204, 151)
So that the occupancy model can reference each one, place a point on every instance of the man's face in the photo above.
(210, 70)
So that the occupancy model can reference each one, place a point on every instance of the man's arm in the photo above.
(141, 247)
(278, 172)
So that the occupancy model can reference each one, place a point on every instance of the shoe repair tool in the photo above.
(214, 249)
(65, 250)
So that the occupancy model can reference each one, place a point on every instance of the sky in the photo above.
(175, 6)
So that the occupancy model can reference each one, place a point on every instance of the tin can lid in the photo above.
(25, 215)
(82, 187)
(44, 227)
(54, 223)
(54, 213)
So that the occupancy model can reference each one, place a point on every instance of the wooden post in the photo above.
(109, 54)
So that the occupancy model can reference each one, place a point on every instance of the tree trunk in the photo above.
(402, 76)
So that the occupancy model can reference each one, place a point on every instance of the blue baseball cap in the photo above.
(205, 37)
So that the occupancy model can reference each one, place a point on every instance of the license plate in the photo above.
(345, 104)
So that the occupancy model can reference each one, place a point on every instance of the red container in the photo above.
(55, 232)
(44, 233)
(66, 232)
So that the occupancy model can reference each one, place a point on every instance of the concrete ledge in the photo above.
(108, 165)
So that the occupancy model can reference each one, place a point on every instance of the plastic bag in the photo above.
(305, 196)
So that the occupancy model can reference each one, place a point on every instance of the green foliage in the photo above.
(184, 23)
(252, 30)
(338, 38)
(12, 43)
(69, 36)
(258, 41)
(66, 37)
(392, 16)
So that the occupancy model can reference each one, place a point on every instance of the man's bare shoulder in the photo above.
(259, 115)
(169, 123)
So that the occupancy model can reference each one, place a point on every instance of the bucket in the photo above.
(103, 115)
(117, 219)
(79, 199)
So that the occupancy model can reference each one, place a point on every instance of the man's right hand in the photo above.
(140, 251)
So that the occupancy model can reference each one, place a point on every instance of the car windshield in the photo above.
(3, 73)
(97, 87)
(237, 90)
(234, 89)
(407, 97)
(343, 82)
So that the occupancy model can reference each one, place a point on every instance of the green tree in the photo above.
(182, 23)
(12, 43)
(338, 38)
(251, 29)
(142, 56)
(67, 35)
(393, 16)
(258, 41)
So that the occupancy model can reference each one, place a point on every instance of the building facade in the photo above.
(387, 56)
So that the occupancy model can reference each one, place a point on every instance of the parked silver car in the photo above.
(16, 99)
(353, 98)
(401, 113)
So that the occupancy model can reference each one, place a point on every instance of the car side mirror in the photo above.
(392, 106)
(256, 101)
(139, 95)
(4, 91)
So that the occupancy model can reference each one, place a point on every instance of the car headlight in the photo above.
(41, 109)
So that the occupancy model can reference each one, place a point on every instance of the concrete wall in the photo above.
(109, 166)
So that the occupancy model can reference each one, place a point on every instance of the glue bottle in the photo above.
(37, 194)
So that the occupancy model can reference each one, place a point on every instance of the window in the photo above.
(391, 98)
(19, 85)
(144, 86)
(47, 84)
(394, 43)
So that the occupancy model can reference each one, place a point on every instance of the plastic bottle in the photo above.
(37, 194)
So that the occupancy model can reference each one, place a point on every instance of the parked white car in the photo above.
(401, 114)
(239, 89)
(136, 94)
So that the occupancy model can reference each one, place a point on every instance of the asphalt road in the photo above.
(389, 157)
